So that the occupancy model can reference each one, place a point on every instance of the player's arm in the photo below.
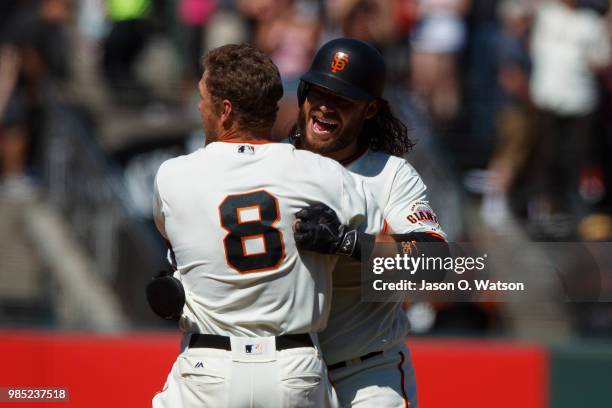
(158, 213)
(407, 213)
(165, 293)
(414, 225)
(318, 229)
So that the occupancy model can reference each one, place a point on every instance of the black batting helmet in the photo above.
(348, 67)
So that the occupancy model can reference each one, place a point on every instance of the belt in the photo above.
(343, 364)
(284, 342)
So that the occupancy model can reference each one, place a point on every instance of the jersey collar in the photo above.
(355, 156)
(242, 141)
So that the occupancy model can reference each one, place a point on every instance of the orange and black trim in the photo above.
(436, 235)
(403, 380)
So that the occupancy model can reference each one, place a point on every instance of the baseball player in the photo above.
(253, 304)
(343, 116)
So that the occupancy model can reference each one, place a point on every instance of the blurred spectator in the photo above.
(605, 146)
(259, 13)
(194, 15)
(37, 28)
(131, 29)
(34, 56)
(13, 140)
(480, 83)
(383, 23)
(227, 26)
(91, 17)
(368, 20)
(514, 133)
(569, 46)
(7, 8)
(9, 70)
(438, 38)
(405, 15)
(290, 36)
(596, 177)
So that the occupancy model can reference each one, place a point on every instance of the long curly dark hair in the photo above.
(384, 132)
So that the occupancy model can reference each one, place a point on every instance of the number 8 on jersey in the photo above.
(250, 217)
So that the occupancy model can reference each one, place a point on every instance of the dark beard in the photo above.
(299, 139)
(298, 129)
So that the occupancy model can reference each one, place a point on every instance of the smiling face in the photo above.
(330, 123)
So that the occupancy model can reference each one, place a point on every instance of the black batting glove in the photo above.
(318, 229)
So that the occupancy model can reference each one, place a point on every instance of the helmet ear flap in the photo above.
(302, 92)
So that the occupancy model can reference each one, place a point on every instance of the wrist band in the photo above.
(347, 246)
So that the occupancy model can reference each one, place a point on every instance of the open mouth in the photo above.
(324, 125)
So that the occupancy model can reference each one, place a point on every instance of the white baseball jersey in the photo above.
(357, 328)
(228, 211)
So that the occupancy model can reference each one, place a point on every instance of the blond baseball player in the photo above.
(342, 116)
(253, 303)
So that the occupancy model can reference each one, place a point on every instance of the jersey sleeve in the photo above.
(358, 205)
(158, 207)
(408, 208)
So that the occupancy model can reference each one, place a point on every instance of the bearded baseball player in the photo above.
(252, 304)
(342, 116)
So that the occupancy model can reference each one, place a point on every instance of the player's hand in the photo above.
(317, 228)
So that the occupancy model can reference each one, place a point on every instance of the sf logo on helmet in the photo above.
(339, 62)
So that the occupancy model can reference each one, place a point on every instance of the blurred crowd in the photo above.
(515, 95)
(33, 55)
